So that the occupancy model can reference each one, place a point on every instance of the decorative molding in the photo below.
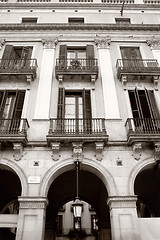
(49, 43)
(155, 81)
(2, 42)
(122, 201)
(32, 203)
(57, 27)
(60, 78)
(93, 78)
(29, 78)
(18, 148)
(99, 150)
(55, 150)
(154, 44)
(137, 147)
(102, 43)
(157, 152)
(77, 151)
(124, 81)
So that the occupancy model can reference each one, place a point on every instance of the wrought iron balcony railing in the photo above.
(14, 127)
(143, 126)
(137, 67)
(20, 66)
(77, 126)
(71, 64)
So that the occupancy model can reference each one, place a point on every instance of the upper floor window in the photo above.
(130, 53)
(17, 52)
(122, 20)
(29, 20)
(76, 20)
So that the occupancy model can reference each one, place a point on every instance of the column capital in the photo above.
(102, 43)
(32, 202)
(122, 201)
(2, 42)
(154, 44)
(49, 43)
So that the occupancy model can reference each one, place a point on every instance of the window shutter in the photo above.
(135, 104)
(63, 52)
(18, 105)
(152, 104)
(86, 104)
(61, 103)
(8, 52)
(90, 55)
(3, 97)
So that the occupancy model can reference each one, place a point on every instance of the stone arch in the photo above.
(135, 171)
(23, 179)
(88, 165)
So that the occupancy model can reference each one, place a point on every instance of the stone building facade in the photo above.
(79, 82)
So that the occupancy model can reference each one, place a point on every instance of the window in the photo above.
(29, 20)
(74, 111)
(131, 57)
(17, 52)
(144, 109)
(122, 20)
(59, 229)
(76, 20)
(11, 104)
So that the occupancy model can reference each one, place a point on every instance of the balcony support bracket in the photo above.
(155, 81)
(137, 147)
(124, 80)
(18, 149)
(60, 78)
(93, 78)
(55, 150)
(77, 151)
(29, 78)
(99, 150)
(157, 152)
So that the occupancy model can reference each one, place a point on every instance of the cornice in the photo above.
(107, 27)
(6, 5)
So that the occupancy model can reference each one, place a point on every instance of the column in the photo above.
(45, 80)
(124, 220)
(31, 220)
(108, 83)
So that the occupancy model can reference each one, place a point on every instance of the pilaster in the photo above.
(154, 44)
(108, 83)
(31, 221)
(123, 215)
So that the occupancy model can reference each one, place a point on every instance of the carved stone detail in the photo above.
(155, 81)
(122, 201)
(29, 78)
(102, 43)
(18, 148)
(77, 151)
(137, 147)
(49, 43)
(55, 150)
(60, 78)
(124, 81)
(154, 44)
(2, 42)
(157, 152)
(99, 150)
(32, 203)
(93, 78)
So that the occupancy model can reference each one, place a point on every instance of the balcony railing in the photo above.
(13, 126)
(20, 66)
(143, 125)
(78, 126)
(137, 67)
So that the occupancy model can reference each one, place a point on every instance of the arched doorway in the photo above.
(10, 189)
(91, 190)
(147, 188)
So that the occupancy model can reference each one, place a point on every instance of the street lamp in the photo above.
(77, 204)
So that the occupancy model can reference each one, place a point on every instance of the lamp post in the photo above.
(77, 204)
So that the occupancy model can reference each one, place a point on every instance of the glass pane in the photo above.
(81, 54)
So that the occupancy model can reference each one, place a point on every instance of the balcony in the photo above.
(143, 130)
(22, 68)
(132, 69)
(67, 67)
(13, 131)
(83, 130)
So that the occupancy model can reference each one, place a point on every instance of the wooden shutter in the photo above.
(135, 104)
(63, 52)
(152, 104)
(8, 52)
(18, 105)
(90, 55)
(61, 103)
(86, 104)
(3, 97)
